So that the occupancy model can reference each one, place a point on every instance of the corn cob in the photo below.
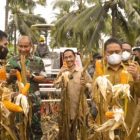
(12, 107)
(99, 68)
(25, 89)
(3, 73)
(124, 77)
(109, 114)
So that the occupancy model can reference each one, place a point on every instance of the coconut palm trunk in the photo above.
(6, 15)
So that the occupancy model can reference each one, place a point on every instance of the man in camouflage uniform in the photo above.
(34, 74)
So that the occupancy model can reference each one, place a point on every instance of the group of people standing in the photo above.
(118, 57)
(77, 114)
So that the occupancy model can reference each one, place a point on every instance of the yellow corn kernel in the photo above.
(3, 73)
(124, 77)
(25, 89)
(99, 68)
(12, 107)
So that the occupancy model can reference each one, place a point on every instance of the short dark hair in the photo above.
(2, 35)
(111, 41)
(67, 51)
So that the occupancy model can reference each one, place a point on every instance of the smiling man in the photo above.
(74, 85)
(34, 74)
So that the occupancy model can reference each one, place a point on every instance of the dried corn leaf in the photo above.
(50, 127)
(104, 85)
(13, 136)
(4, 110)
(6, 93)
(122, 90)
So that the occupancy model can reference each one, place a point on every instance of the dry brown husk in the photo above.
(50, 127)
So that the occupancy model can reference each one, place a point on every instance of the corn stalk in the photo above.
(81, 107)
(64, 122)
(22, 118)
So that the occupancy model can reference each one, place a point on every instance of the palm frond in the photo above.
(98, 25)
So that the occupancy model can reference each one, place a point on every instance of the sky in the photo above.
(45, 12)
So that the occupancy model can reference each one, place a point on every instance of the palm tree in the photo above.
(22, 17)
(133, 16)
(85, 25)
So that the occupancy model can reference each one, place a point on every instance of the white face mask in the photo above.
(126, 56)
(114, 59)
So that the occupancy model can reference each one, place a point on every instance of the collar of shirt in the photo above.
(120, 66)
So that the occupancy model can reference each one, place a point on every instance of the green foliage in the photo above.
(83, 27)
(22, 18)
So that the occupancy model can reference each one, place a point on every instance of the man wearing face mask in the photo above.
(3, 46)
(113, 68)
(126, 53)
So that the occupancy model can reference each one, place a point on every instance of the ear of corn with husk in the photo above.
(23, 88)
(22, 100)
(114, 123)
